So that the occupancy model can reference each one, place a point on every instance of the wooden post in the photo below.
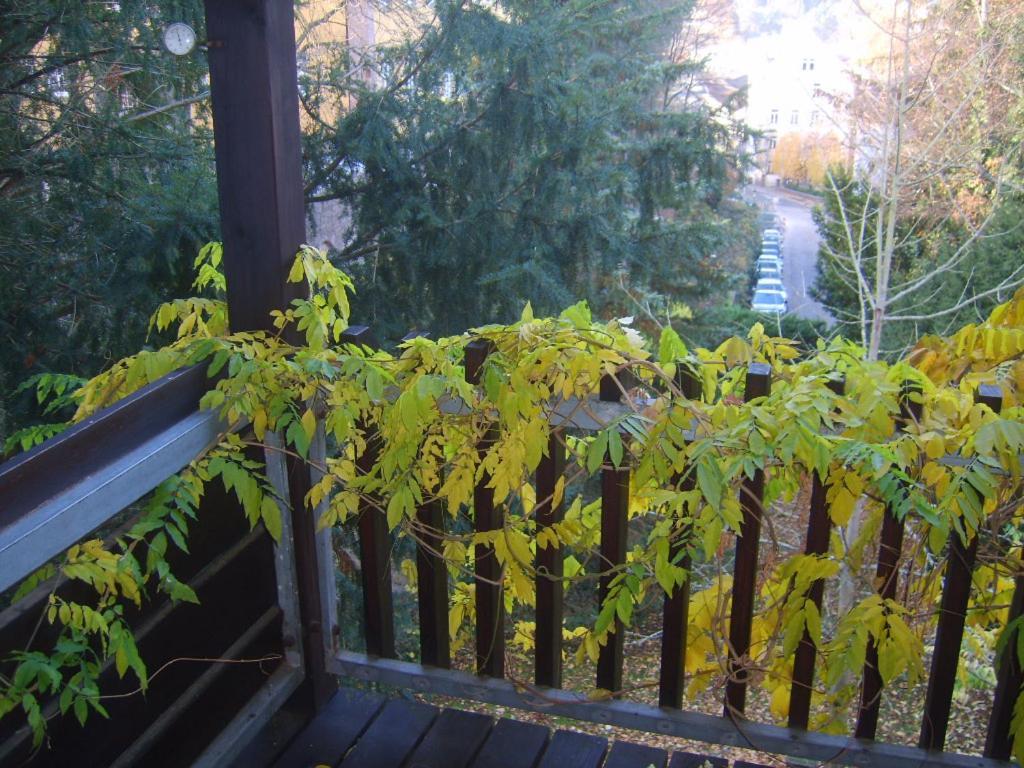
(490, 604)
(744, 580)
(890, 548)
(550, 565)
(431, 575)
(614, 515)
(374, 539)
(676, 607)
(819, 529)
(253, 87)
(949, 635)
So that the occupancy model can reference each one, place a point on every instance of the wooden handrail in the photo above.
(65, 488)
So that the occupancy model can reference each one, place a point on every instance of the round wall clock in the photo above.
(179, 38)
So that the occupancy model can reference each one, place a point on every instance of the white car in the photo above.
(768, 271)
(769, 301)
(772, 234)
(771, 284)
(766, 261)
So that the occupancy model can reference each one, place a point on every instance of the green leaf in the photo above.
(296, 435)
(710, 481)
(81, 710)
(176, 537)
(596, 452)
(374, 384)
(671, 348)
(270, 513)
(615, 446)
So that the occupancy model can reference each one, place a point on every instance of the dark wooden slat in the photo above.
(31, 478)
(569, 749)
(257, 147)
(432, 592)
(512, 744)
(1009, 680)
(374, 541)
(550, 568)
(375, 569)
(744, 583)
(333, 732)
(452, 740)
(819, 528)
(956, 593)
(490, 608)
(626, 755)
(676, 607)
(614, 518)
(169, 633)
(746, 764)
(691, 760)
(886, 576)
(393, 736)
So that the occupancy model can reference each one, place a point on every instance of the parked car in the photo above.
(771, 284)
(771, 220)
(770, 247)
(767, 260)
(769, 301)
(772, 234)
(769, 271)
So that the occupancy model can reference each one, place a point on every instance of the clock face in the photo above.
(179, 38)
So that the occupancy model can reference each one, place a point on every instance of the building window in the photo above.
(794, 117)
(773, 119)
(814, 117)
(58, 86)
(448, 85)
(808, 65)
(772, 143)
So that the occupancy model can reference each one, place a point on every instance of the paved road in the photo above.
(800, 252)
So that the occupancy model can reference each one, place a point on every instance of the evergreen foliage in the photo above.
(517, 151)
(101, 205)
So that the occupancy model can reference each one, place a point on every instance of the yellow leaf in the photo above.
(780, 702)
(309, 424)
(935, 447)
(259, 423)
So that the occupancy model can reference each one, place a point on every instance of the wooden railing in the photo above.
(68, 487)
(434, 673)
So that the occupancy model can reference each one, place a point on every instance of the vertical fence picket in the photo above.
(490, 609)
(676, 607)
(548, 635)
(432, 589)
(374, 543)
(956, 593)
(886, 576)
(1009, 675)
(819, 528)
(614, 513)
(431, 575)
(1009, 680)
(744, 583)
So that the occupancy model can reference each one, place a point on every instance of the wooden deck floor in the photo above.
(366, 730)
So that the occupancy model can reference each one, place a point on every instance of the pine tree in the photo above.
(106, 179)
(517, 151)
